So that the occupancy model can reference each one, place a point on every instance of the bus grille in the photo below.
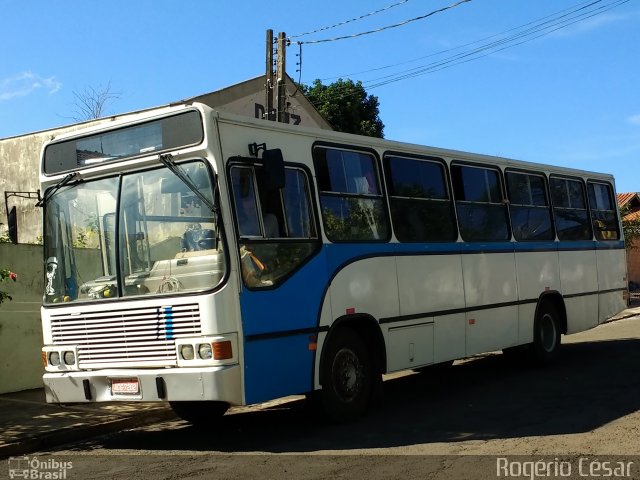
(132, 337)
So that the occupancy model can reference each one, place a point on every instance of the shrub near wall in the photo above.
(6, 275)
(20, 327)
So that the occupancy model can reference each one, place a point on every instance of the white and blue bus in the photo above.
(210, 260)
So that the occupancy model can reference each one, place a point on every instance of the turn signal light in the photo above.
(222, 350)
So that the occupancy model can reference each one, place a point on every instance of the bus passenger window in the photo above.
(603, 211)
(529, 206)
(482, 214)
(350, 196)
(421, 208)
(570, 209)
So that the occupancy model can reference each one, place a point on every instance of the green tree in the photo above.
(630, 227)
(346, 106)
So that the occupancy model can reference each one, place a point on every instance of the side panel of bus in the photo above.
(433, 302)
(612, 265)
(432, 282)
(490, 283)
(579, 286)
(537, 272)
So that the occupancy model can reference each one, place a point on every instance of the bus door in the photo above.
(283, 277)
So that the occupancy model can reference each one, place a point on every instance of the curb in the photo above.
(83, 432)
(622, 316)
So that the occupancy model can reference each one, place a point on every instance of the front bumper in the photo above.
(163, 384)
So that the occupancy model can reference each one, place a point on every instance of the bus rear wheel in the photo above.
(347, 377)
(200, 413)
(546, 335)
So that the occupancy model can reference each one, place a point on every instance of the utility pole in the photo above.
(279, 82)
(268, 86)
(281, 91)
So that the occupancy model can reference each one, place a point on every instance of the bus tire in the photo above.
(200, 413)
(546, 334)
(347, 377)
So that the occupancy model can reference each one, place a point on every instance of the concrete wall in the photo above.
(633, 263)
(20, 328)
(20, 157)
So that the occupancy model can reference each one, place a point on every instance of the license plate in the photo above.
(125, 386)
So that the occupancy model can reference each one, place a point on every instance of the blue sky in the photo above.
(570, 97)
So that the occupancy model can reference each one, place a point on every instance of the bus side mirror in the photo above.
(12, 220)
(273, 168)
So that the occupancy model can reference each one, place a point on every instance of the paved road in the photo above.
(587, 405)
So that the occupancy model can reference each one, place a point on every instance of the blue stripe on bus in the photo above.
(610, 245)
(277, 366)
(168, 323)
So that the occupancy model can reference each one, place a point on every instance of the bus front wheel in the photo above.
(546, 342)
(347, 377)
(199, 413)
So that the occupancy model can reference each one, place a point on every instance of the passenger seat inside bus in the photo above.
(271, 226)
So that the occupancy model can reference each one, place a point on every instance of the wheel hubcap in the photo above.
(548, 333)
(347, 374)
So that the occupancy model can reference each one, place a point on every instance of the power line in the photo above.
(383, 9)
(452, 49)
(537, 28)
(377, 30)
(535, 32)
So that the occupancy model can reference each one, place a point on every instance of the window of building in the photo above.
(421, 207)
(530, 211)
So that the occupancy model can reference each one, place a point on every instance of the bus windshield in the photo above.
(143, 233)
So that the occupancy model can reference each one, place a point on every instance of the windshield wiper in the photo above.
(168, 162)
(65, 181)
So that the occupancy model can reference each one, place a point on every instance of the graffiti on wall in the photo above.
(291, 118)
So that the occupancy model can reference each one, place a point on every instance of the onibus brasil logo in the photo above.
(40, 469)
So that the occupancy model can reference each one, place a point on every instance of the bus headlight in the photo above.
(54, 358)
(69, 358)
(207, 351)
(60, 358)
(186, 352)
(204, 351)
